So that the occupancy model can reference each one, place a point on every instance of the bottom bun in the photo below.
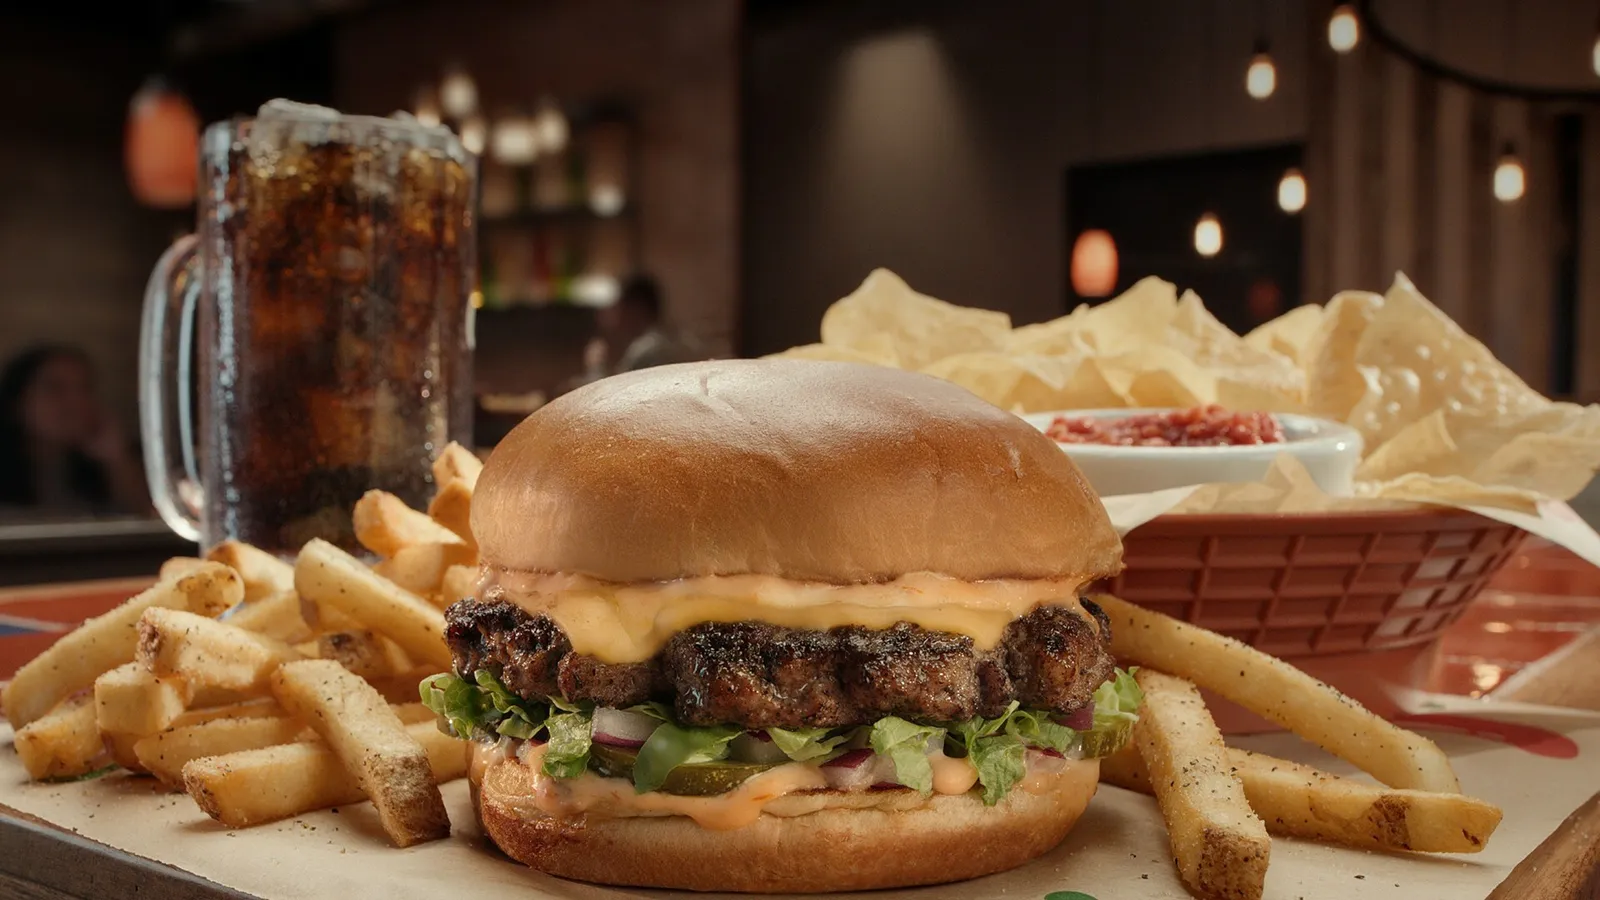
(942, 839)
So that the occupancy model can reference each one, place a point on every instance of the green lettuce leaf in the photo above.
(673, 745)
(1037, 729)
(803, 744)
(1001, 761)
(566, 755)
(460, 704)
(906, 745)
(1118, 700)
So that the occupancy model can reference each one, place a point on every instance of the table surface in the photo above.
(1533, 636)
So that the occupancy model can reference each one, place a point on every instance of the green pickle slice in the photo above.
(1104, 741)
(697, 780)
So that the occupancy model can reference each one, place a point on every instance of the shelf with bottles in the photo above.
(579, 266)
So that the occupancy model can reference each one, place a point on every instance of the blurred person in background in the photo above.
(632, 334)
(61, 452)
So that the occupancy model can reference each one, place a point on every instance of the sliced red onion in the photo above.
(1080, 719)
(849, 760)
(1047, 762)
(622, 728)
(748, 748)
(1055, 754)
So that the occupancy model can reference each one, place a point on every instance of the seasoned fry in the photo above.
(403, 688)
(452, 508)
(119, 747)
(389, 764)
(421, 568)
(165, 754)
(328, 576)
(371, 656)
(1275, 690)
(131, 699)
(458, 582)
(384, 524)
(64, 742)
(1302, 802)
(246, 709)
(206, 652)
(105, 642)
(457, 462)
(179, 566)
(277, 616)
(264, 574)
(256, 786)
(1220, 847)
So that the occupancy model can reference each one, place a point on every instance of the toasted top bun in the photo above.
(821, 843)
(808, 470)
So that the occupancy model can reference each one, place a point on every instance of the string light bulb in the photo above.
(1596, 60)
(1292, 191)
(1344, 29)
(1208, 236)
(458, 94)
(427, 111)
(474, 134)
(1510, 181)
(1261, 79)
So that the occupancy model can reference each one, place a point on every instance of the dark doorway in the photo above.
(1150, 208)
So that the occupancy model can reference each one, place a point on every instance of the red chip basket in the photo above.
(1319, 584)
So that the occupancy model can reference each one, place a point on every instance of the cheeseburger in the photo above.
(782, 626)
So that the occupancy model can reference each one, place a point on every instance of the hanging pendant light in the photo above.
(1292, 191)
(1261, 79)
(551, 124)
(1510, 181)
(1208, 236)
(458, 94)
(1094, 264)
(1344, 29)
(162, 151)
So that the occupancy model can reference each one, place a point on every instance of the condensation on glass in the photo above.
(329, 284)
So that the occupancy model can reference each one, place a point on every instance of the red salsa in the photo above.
(1203, 426)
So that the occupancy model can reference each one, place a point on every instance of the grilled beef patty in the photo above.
(764, 676)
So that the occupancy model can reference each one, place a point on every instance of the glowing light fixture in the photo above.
(551, 124)
(458, 94)
(427, 111)
(1208, 236)
(1509, 179)
(1094, 264)
(162, 151)
(1344, 29)
(1292, 191)
(474, 134)
(514, 141)
(1261, 79)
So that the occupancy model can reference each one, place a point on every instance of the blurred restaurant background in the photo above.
(728, 169)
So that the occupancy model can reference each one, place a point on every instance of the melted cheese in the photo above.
(631, 623)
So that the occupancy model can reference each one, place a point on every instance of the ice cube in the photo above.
(290, 109)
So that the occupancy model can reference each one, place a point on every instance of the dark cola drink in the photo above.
(335, 264)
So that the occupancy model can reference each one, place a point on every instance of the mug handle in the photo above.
(166, 430)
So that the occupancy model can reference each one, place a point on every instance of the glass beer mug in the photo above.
(312, 340)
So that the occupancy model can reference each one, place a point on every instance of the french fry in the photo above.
(1302, 802)
(421, 568)
(457, 462)
(324, 617)
(178, 566)
(261, 707)
(328, 576)
(165, 754)
(388, 764)
(272, 783)
(1220, 846)
(120, 748)
(105, 642)
(384, 524)
(264, 574)
(277, 616)
(1275, 690)
(452, 508)
(458, 582)
(403, 688)
(206, 652)
(63, 743)
(371, 656)
(131, 699)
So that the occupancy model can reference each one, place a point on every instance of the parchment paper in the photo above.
(1117, 852)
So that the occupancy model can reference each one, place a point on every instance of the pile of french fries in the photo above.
(266, 689)
(1221, 804)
